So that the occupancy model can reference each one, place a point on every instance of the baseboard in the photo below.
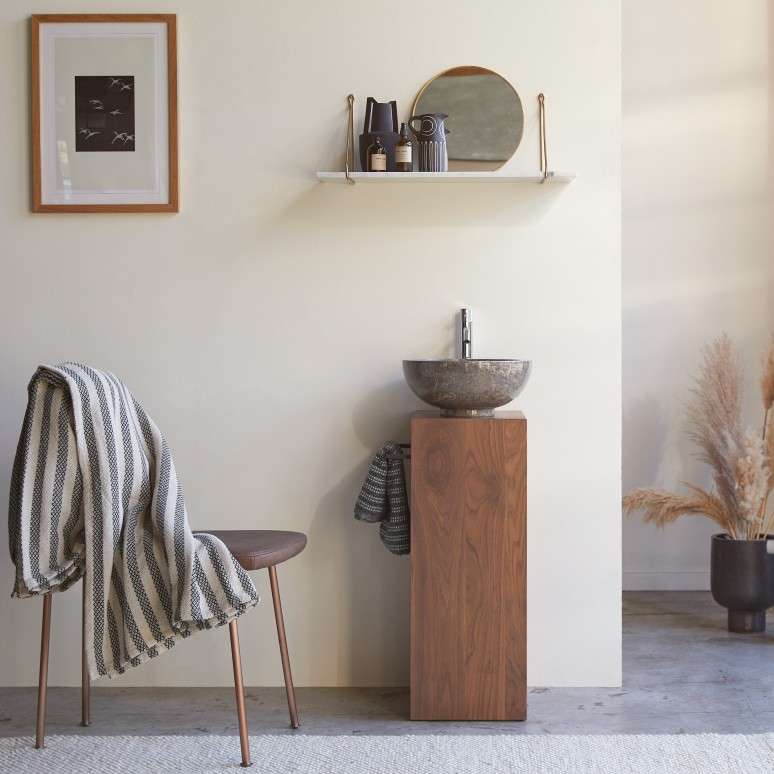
(691, 580)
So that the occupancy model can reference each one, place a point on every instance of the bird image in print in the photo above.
(105, 108)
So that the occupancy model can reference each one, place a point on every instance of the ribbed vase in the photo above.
(430, 136)
(433, 156)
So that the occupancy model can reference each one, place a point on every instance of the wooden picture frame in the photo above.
(104, 113)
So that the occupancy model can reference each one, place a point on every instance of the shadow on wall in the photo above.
(420, 206)
(373, 647)
(385, 415)
(645, 431)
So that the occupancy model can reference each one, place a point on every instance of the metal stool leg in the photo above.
(40, 728)
(85, 682)
(275, 595)
(240, 692)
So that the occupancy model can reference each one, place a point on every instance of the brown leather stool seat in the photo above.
(255, 549)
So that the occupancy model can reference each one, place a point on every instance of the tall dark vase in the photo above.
(742, 580)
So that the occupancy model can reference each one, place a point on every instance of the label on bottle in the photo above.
(378, 162)
(403, 154)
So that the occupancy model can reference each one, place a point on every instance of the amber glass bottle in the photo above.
(377, 156)
(404, 161)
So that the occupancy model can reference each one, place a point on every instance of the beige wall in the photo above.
(696, 245)
(263, 327)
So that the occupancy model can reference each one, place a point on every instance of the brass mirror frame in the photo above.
(490, 165)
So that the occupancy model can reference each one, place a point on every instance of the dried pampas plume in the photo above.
(662, 507)
(717, 416)
(767, 375)
(741, 461)
(768, 434)
(752, 473)
(767, 393)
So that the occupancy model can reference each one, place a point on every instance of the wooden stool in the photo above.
(254, 549)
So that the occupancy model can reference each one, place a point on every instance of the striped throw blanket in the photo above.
(94, 493)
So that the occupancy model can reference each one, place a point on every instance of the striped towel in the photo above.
(383, 498)
(94, 492)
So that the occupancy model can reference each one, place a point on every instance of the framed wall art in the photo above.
(104, 113)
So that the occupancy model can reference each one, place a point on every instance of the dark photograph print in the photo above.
(104, 113)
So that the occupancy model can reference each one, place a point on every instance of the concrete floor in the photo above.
(683, 673)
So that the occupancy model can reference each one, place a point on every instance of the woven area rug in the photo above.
(530, 754)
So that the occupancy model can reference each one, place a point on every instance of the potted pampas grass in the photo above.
(741, 461)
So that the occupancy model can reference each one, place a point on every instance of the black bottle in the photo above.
(377, 156)
(404, 161)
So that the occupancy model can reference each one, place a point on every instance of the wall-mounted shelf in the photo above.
(446, 177)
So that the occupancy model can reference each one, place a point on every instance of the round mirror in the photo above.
(486, 119)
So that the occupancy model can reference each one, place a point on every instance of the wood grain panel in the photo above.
(468, 568)
(437, 581)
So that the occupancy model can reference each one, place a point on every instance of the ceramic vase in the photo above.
(742, 580)
(430, 136)
(381, 120)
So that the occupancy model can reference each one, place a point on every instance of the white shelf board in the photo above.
(446, 177)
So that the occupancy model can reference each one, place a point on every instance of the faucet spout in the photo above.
(466, 328)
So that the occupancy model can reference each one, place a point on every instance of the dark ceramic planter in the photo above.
(742, 580)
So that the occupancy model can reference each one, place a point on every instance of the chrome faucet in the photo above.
(466, 329)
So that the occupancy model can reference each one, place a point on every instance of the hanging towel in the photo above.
(94, 492)
(383, 498)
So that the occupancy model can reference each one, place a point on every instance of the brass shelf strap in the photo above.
(350, 159)
(543, 152)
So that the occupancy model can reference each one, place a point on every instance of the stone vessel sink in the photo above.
(469, 387)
